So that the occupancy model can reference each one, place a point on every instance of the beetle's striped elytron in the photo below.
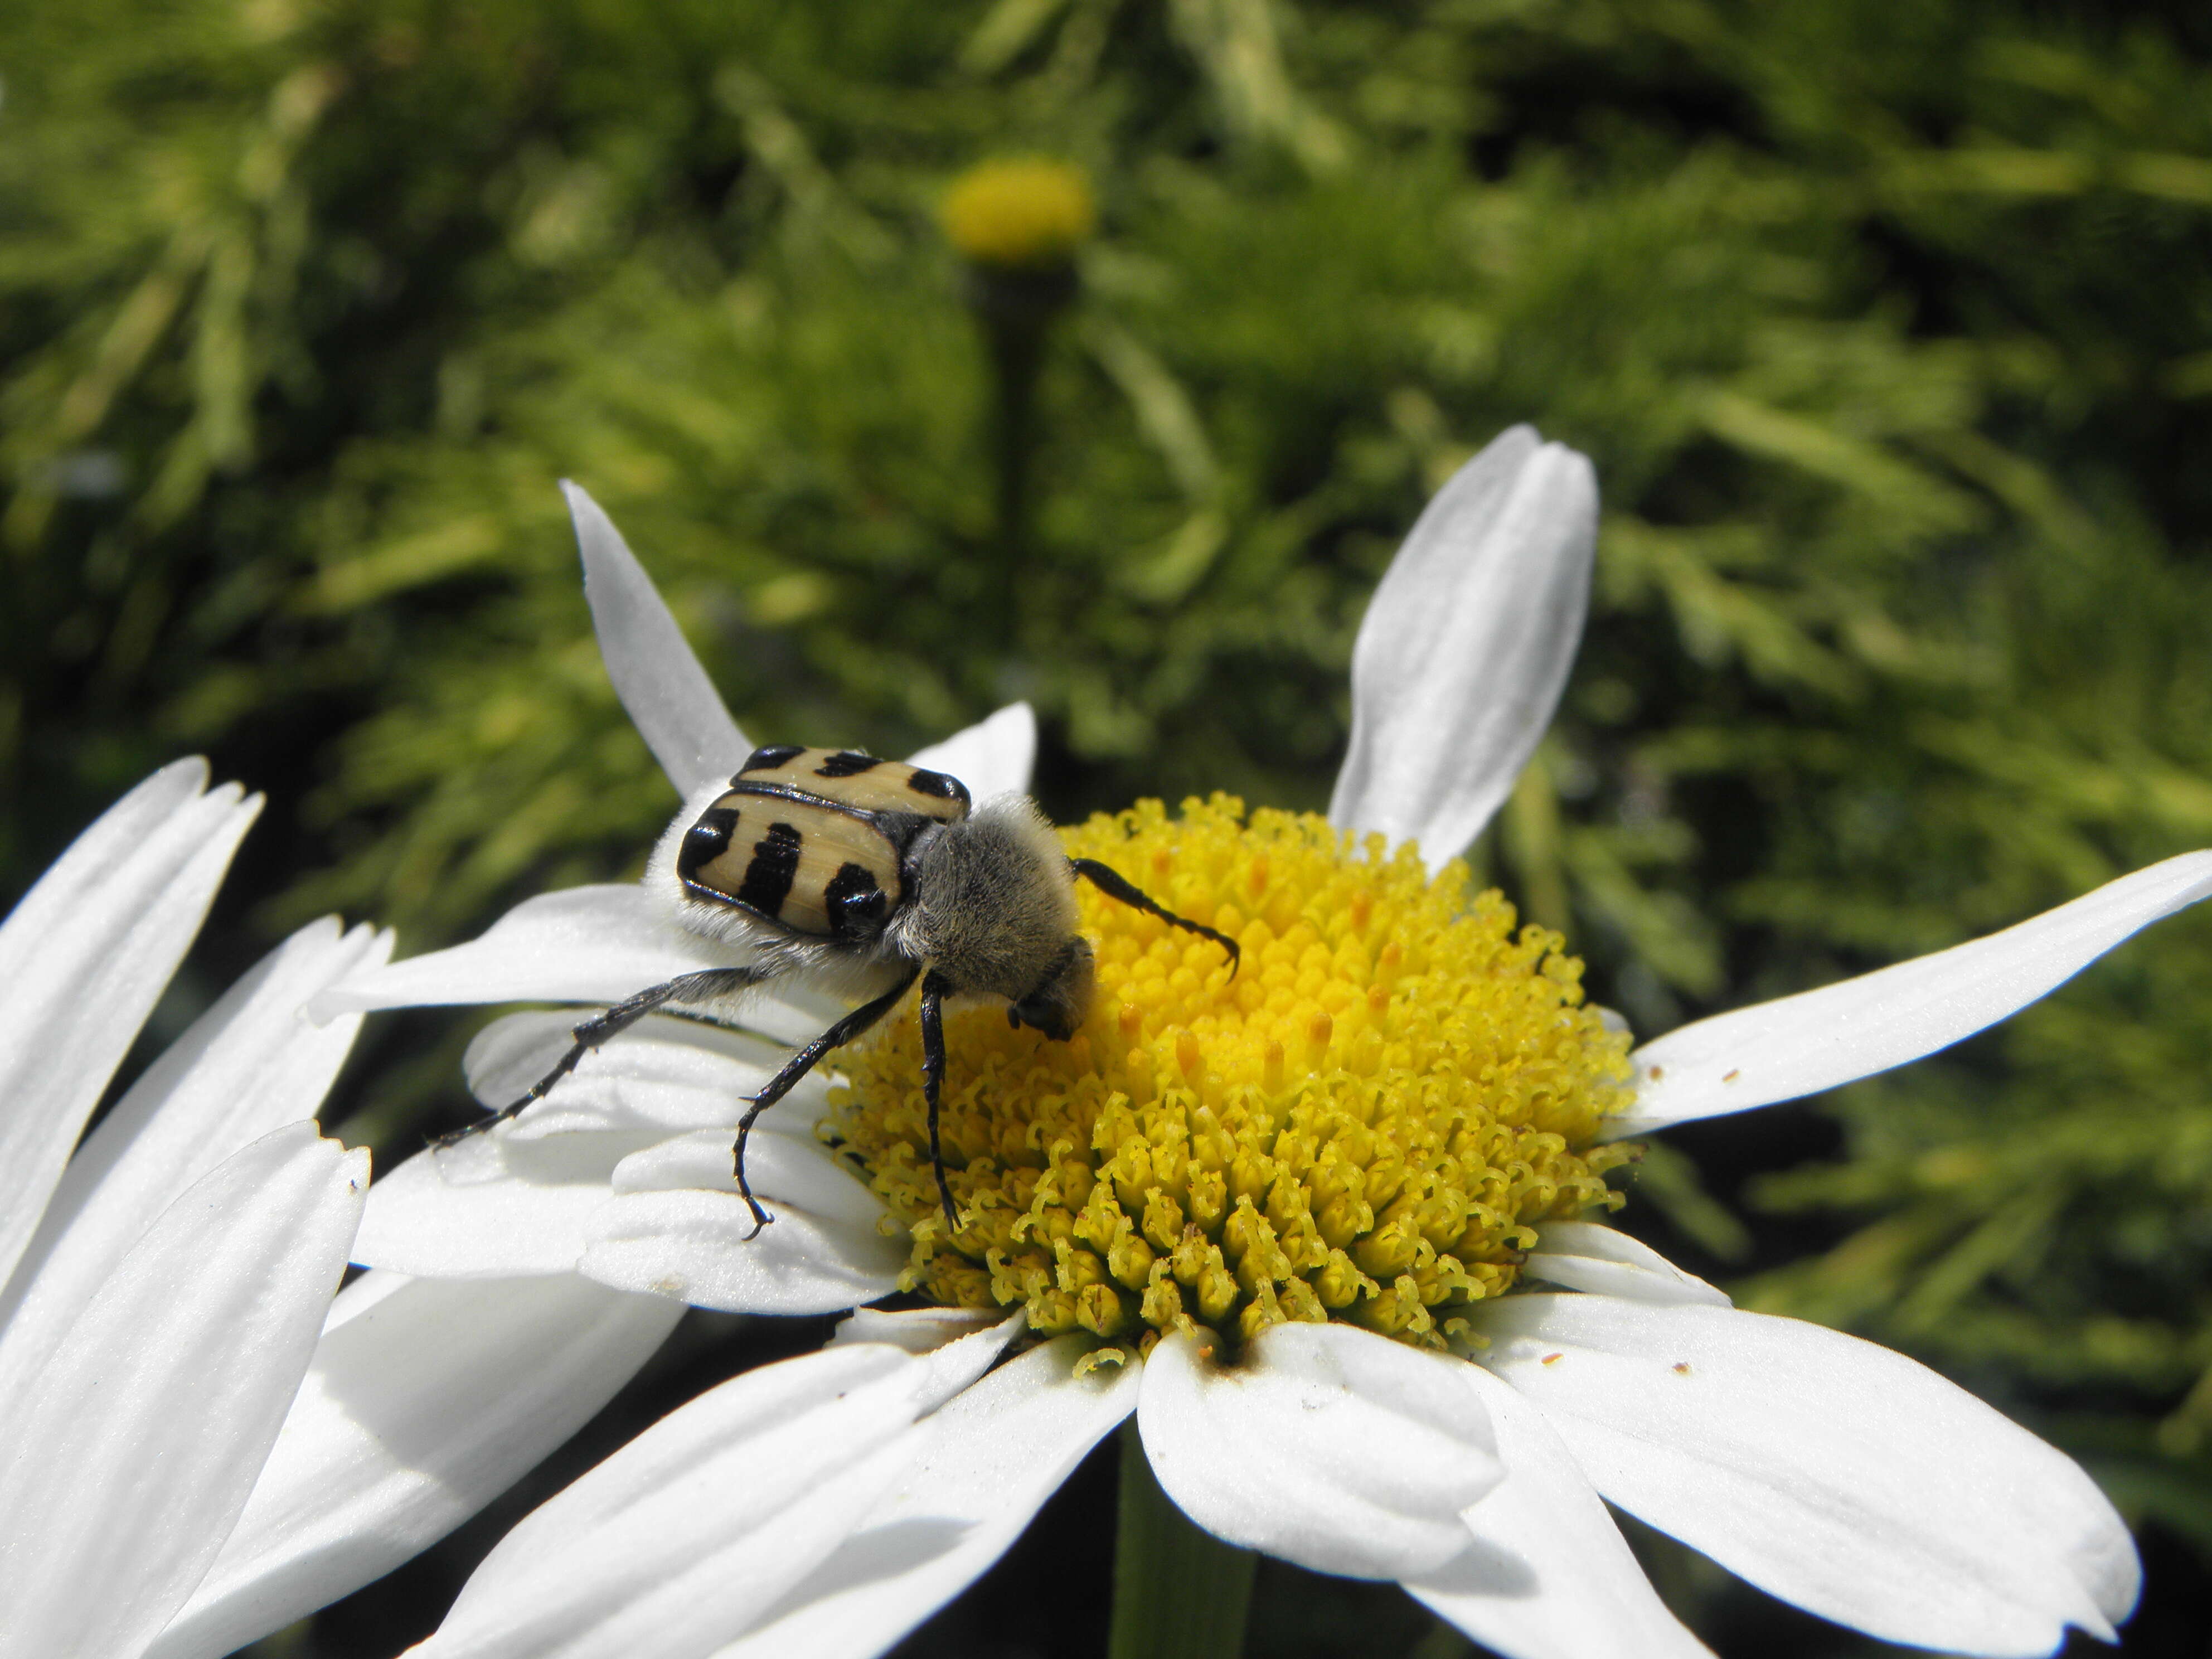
(864, 875)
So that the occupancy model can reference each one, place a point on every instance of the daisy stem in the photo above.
(1179, 1593)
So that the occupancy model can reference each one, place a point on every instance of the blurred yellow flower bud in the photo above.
(1023, 213)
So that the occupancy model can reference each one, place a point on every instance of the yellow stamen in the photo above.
(1366, 1124)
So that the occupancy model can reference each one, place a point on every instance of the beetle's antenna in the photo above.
(1110, 881)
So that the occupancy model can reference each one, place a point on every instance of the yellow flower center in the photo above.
(1022, 212)
(1367, 1123)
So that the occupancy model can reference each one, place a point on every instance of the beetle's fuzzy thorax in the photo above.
(993, 903)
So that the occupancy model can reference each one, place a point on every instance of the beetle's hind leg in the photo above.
(702, 986)
(853, 1025)
(1116, 886)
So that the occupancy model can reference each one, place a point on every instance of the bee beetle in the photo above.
(863, 875)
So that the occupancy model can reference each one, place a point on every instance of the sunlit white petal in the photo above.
(677, 1227)
(675, 705)
(1547, 1575)
(493, 1206)
(55, 899)
(85, 955)
(249, 1065)
(1000, 1449)
(602, 1172)
(695, 1527)
(129, 1456)
(991, 758)
(663, 1073)
(961, 1360)
(426, 1399)
(917, 1330)
(595, 944)
(1798, 1045)
(1834, 1474)
(1467, 643)
(1585, 1256)
(961, 1344)
(1327, 1445)
(788, 1168)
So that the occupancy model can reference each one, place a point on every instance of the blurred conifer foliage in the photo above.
(1889, 328)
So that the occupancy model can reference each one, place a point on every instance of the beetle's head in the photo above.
(1057, 1003)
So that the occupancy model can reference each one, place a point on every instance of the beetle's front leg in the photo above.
(798, 1066)
(933, 991)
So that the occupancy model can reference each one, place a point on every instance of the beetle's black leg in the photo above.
(797, 1067)
(686, 988)
(1110, 881)
(933, 991)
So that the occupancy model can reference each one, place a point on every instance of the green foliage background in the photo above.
(1888, 327)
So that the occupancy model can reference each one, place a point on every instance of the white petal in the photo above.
(961, 1344)
(1828, 1471)
(675, 705)
(672, 1075)
(129, 1458)
(917, 1330)
(425, 1400)
(677, 1227)
(1326, 1446)
(533, 1197)
(493, 1206)
(597, 944)
(1548, 1575)
(790, 1171)
(682, 1538)
(55, 900)
(993, 757)
(1585, 1256)
(956, 1365)
(1002, 1448)
(1467, 643)
(247, 1065)
(84, 957)
(1798, 1045)
(366, 1291)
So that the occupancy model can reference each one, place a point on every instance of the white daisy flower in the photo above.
(1288, 1221)
(198, 1445)
(160, 1290)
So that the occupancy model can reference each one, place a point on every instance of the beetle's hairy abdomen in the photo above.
(993, 901)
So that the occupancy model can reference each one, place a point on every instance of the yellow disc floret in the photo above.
(1366, 1123)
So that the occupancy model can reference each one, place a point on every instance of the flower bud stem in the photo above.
(1179, 1593)
(1016, 309)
